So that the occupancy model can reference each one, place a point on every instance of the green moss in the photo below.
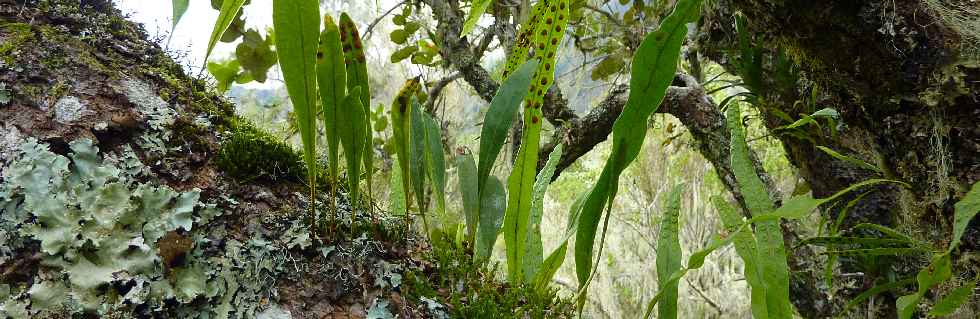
(250, 154)
(16, 35)
(481, 295)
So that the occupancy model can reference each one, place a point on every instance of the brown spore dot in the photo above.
(549, 21)
(562, 6)
(551, 55)
(554, 41)
(547, 66)
(544, 81)
(541, 46)
(557, 28)
(319, 55)
(535, 119)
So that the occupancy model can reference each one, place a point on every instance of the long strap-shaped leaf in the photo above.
(500, 115)
(229, 10)
(745, 246)
(557, 256)
(417, 165)
(520, 183)
(769, 236)
(179, 8)
(669, 253)
(795, 208)
(435, 164)
(297, 23)
(401, 121)
(466, 168)
(476, 10)
(534, 255)
(653, 69)
(332, 81)
(938, 270)
(357, 76)
(351, 130)
(493, 203)
(522, 46)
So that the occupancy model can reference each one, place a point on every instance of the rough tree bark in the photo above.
(908, 98)
(75, 71)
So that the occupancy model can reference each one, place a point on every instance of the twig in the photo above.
(370, 28)
(703, 296)
(437, 90)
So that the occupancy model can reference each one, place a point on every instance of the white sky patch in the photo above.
(194, 30)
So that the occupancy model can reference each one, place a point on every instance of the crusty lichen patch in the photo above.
(69, 109)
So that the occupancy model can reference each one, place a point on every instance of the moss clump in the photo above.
(249, 154)
(16, 35)
(481, 295)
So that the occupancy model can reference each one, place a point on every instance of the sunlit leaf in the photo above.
(332, 81)
(401, 122)
(179, 8)
(500, 116)
(297, 23)
(938, 271)
(351, 131)
(493, 203)
(521, 180)
(745, 245)
(669, 253)
(357, 76)
(229, 10)
(653, 68)
(964, 211)
(478, 7)
(534, 255)
(768, 234)
(953, 300)
(466, 168)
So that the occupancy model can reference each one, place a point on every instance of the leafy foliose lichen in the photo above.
(96, 225)
(111, 244)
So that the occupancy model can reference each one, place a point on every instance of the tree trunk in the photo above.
(238, 244)
(908, 95)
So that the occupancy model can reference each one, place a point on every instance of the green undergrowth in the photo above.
(470, 289)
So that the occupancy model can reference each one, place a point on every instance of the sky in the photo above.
(194, 29)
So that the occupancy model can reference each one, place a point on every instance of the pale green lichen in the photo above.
(94, 222)
(101, 233)
(69, 109)
(158, 113)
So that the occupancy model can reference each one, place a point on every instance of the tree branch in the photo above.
(460, 54)
(370, 29)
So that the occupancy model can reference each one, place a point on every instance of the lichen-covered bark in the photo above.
(213, 208)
